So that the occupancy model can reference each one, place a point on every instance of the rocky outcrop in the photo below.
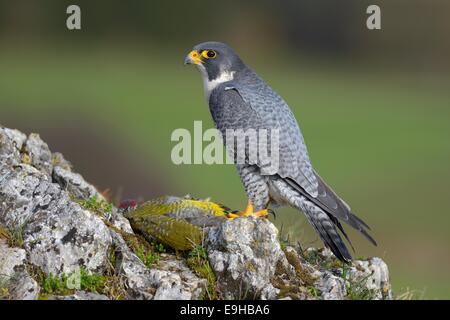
(250, 263)
(57, 220)
(61, 239)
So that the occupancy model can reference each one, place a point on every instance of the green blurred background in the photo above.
(374, 106)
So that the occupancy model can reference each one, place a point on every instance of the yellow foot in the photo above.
(248, 213)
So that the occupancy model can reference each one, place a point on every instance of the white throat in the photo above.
(210, 85)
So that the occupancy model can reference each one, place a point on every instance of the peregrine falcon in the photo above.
(239, 99)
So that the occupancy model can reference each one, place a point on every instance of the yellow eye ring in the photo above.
(209, 54)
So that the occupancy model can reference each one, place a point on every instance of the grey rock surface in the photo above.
(11, 142)
(193, 286)
(362, 279)
(39, 153)
(15, 136)
(374, 275)
(170, 279)
(77, 187)
(24, 190)
(132, 269)
(59, 235)
(58, 160)
(80, 295)
(74, 183)
(13, 275)
(12, 260)
(23, 287)
(244, 254)
(331, 287)
(65, 237)
(119, 221)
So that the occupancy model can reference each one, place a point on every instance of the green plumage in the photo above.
(176, 222)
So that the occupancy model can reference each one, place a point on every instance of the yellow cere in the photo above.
(195, 56)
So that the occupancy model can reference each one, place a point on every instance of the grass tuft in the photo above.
(4, 289)
(95, 205)
(357, 288)
(14, 237)
(411, 294)
(148, 257)
(197, 260)
(66, 284)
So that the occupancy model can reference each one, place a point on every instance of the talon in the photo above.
(232, 216)
(261, 213)
(248, 212)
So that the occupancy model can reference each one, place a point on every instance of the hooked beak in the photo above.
(193, 58)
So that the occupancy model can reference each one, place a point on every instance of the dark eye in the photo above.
(209, 54)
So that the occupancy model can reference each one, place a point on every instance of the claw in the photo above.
(261, 213)
(248, 213)
(232, 216)
(272, 212)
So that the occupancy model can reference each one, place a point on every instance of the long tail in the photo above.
(326, 228)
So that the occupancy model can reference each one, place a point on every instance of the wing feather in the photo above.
(262, 108)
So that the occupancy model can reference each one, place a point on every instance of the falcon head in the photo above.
(217, 61)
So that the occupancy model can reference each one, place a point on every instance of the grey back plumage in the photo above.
(266, 109)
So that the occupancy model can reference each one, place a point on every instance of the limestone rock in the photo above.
(78, 188)
(374, 275)
(24, 190)
(39, 153)
(362, 279)
(23, 287)
(75, 184)
(12, 260)
(58, 234)
(65, 237)
(331, 287)
(119, 221)
(170, 279)
(11, 142)
(15, 136)
(244, 254)
(58, 160)
(13, 276)
(80, 295)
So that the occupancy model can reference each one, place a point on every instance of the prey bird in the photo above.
(239, 99)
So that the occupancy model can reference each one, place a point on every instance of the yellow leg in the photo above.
(248, 212)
